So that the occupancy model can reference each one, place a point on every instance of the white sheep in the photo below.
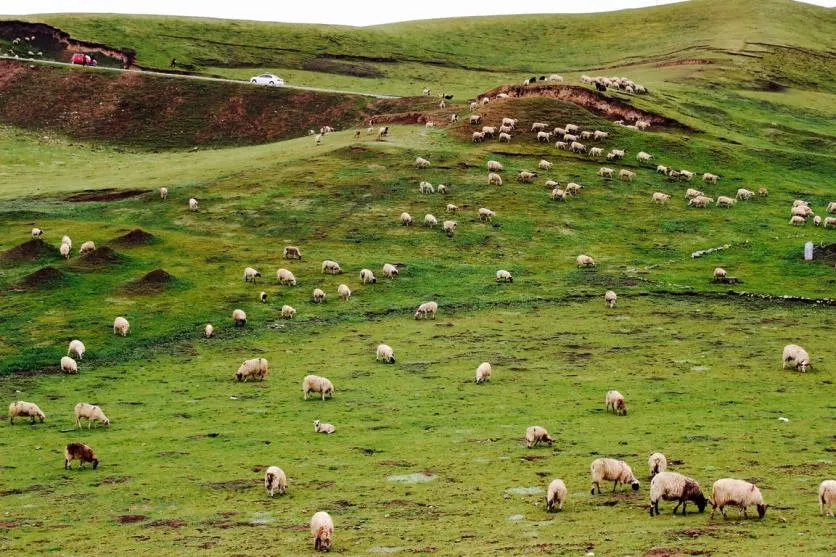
(494, 166)
(605, 172)
(556, 495)
(64, 250)
(615, 154)
(286, 277)
(740, 493)
(596, 152)
(643, 157)
(572, 128)
(671, 486)
(86, 248)
(585, 261)
(512, 122)
(331, 266)
(504, 276)
(208, 331)
(452, 208)
(475, 119)
(535, 435)
(344, 292)
(432, 124)
(483, 372)
(163, 193)
(551, 184)
(710, 178)
(477, 137)
(406, 219)
(318, 139)
(558, 194)
(538, 126)
(831, 207)
(615, 400)
(426, 188)
(390, 271)
(25, 409)
(586, 135)
(288, 312)
(275, 480)
(659, 197)
(662, 169)
(625, 175)
(796, 220)
(526, 176)
(830, 222)
(600, 135)
(239, 317)
(320, 427)
(724, 201)
(610, 298)
(657, 463)
(121, 326)
(76, 348)
(691, 193)
(425, 309)
(577, 147)
(385, 354)
(91, 413)
(251, 274)
(255, 368)
(322, 528)
(573, 188)
(367, 276)
(449, 227)
(193, 205)
(430, 220)
(817, 220)
(796, 357)
(544, 165)
(486, 214)
(802, 211)
(494, 179)
(556, 77)
(719, 273)
(318, 295)
(66, 240)
(317, 384)
(745, 194)
(263, 297)
(562, 145)
(421, 163)
(701, 201)
(442, 188)
(544, 137)
(616, 471)
(37, 232)
(827, 496)
(68, 365)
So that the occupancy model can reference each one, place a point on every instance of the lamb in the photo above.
(80, 452)
(382, 132)
(569, 138)
(616, 154)
(209, 331)
(572, 128)
(538, 126)
(37, 232)
(504, 276)
(255, 368)
(687, 174)
(449, 227)
(763, 192)
(573, 188)
(723, 201)
(421, 163)
(505, 137)
(344, 292)
(66, 240)
(551, 184)
(558, 194)
(430, 220)
(662, 169)
(68, 365)
(562, 145)
(544, 165)
(585, 261)
(275, 480)
(442, 188)
(625, 175)
(367, 276)
(827, 496)
(121, 326)
(796, 220)
(483, 372)
(25, 409)
(526, 176)
(239, 317)
(486, 214)
(64, 250)
(544, 137)
(385, 353)
(288, 312)
(406, 219)
(701, 201)
(494, 166)
(657, 463)
(425, 309)
(616, 471)
(322, 528)
(600, 135)
(452, 208)
(741, 493)
(91, 413)
(710, 178)
(76, 349)
(796, 357)
(659, 197)
(320, 427)
(691, 193)
(643, 157)
(86, 248)
(596, 152)
(512, 122)
(556, 495)
(830, 221)
(251, 274)
(317, 384)
(426, 187)
(331, 266)
(671, 486)
(318, 295)
(817, 220)
(494, 179)
(831, 207)
(801, 211)
(616, 401)
(576, 147)
(489, 131)
(291, 252)
(744, 194)
(605, 172)
(535, 435)
(719, 273)
(610, 298)
(432, 124)
(477, 137)
(390, 271)
(586, 135)
(284, 276)
(193, 205)
(475, 118)
(505, 129)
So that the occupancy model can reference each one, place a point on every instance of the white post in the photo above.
(808, 251)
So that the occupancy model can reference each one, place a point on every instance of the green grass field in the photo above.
(424, 460)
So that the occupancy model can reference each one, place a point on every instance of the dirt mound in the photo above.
(100, 257)
(825, 253)
(30, 251)
(152, 282)
(136, 237)
(107, 194)
(46, 277)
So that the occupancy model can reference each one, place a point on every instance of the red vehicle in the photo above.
(83, 59)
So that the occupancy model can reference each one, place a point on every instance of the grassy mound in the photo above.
(101, 257)
(151, 283)
(45, 277)
(136, 237)
(33, 250)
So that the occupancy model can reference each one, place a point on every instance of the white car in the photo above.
(267, 79)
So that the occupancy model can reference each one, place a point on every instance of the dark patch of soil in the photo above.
(232, 485)
(367, 451)
(108, 194)
(12, 524)
(100, 257)
(136, 237)
(341, 504)
(397, 463)
(169, 523)
(32, 250)
(30, 489)
(152, 282)
(671, 551)
(111, 480)
(825, 253)
(533, 458)
(130, 518)
(46, 277)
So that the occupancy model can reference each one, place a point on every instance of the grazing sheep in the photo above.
(317, 384)
(76, 348)
(475, 119)
(382, 132)
(675, 174)
(817, 220)
(691, 193)
(802, 211)
(505, 137)
(544, 165)
(251, 274)
(318, 139)
(600, 135)
(486, 214)
(68, 365)
(209, 331)
(385, 353)
(572, 128)
(616, 471)
(454, 118)
(64, 250)
(25, 409)
(320, 427)
(37, 232)
(831, 207)
(318, 295)
(406, 219)
(723, 201)
(800, 203)
(421, 163)
(494, 179)
(291, 252)
(535, 435)
(483, 372)
(504, 276)
(367, 276)
(288, 312)
(642, 124)
(344, 292)
(426, 187)
(719, 273)
(625, 175)
(255, 368)
(449, 227)
(390, 271)
(430, 220)
(80, 452)
(452, 208)
(573, 188)
(827, 496)
(425, 309)
(91, 413)
(193, 206)
(121, 326)
(322, 528)
(275, 480)
(576, 147)
(763, 192)
(551, 184)
(86, 248)
(710, 178)
(526, 176)
(263, 297)
(569, 138)
(585, 261)
(558, 194)
(331, 266)
(605, 172)
(586, 135)
(284, 276)
(66, 240)
(477, 137)
(512, 122)
(701, 201)
(830, 221)
(657, 463)
(610, 298)
(662, 169)
(544, 137)
(615, 400)
(239, 317)
(442, 188)
(796, 220)
(745, 194)
(556, 495)
(671, 486)
(687, 174)
(659, 197)
(796, 357)
(616, 154)
(489, 131)
(494, 166)
(505, 129)
(740, 493)
(643, 157)
(432, 124)
(538, 126)
(596, 152)
(562, 145)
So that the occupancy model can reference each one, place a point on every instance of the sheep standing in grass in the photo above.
(544, 165)
(263, 297)
(76, 349)
(585, 261)
(255, 368)
(425, 188)
(723, 201)
(660, 198)
(430, 220)
(367, 276)
(616, 471)
(691, 193)
(710, 178)
(477, 137)
(288, 312)
(209, 331)
(285, 277)
(701, 201)
(577, 147)
(719, 273)
(671, 486)
(291, 252)
(331, 267)
(744, 194)
(610, 298)
(239, 317)
(662, 169)
(452, 208)
(250, 275)
(64, 250)
(425, 309)
(830, 222)
(796, 220)
(827, 496)
(318, 295)
(322, 528)
(796, 357)
(740, 493)
(37, 233)
(657, 463)
(390, 271)
(596, 152)
(526, 177)
(535, 435)
(344, 292)
(121, 326)
(597, 135)
(275, 480)
(385, 354)
(406, 219)
(562, 145)
(615, 400)
(494, 179)
(27, 410)
(625, 175)
(421, 163)
(494, 166)
(91, 413)
(320, 427)
(193, 206)
(605, 172)
(163, 193)
(817, 220)
(486, 214)
(317, 384)
(442, 188)
(86, 248)
(449, 227)
(643, 157)
(556, 495)
(483, 372)
(763, 192)
(68, 365)
(504, 276)
(558, 194)
(80, 452)
(573, 188)
(66, 240)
